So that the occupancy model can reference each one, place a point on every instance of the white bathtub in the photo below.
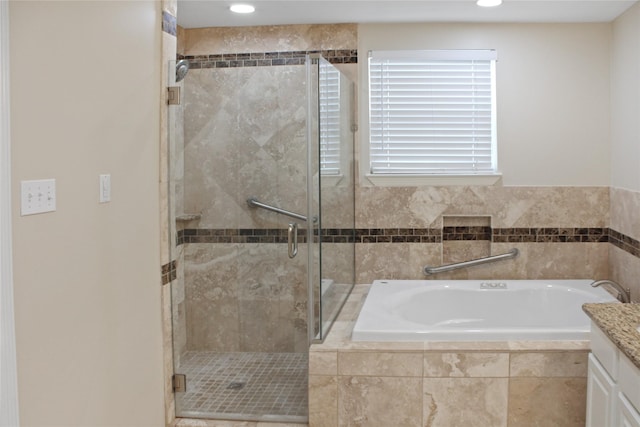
(477, 310)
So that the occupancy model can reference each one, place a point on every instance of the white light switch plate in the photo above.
(38, 196)
(105, 188)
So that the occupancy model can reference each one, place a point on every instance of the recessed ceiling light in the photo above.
(489, 3)
(242, 8)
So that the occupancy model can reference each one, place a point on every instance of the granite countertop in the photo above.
(619, 322)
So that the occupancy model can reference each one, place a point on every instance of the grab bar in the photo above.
(433, 270)
(255, 203)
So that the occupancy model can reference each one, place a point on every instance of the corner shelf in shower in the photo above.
(188, 217)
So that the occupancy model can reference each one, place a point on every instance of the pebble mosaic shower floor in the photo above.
(248, 386)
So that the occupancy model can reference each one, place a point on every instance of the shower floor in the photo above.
(246, 386)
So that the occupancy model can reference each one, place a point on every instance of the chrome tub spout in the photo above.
(624, 295)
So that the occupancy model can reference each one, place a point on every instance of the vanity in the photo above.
(613, 384)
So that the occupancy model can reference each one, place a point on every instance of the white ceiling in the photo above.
(215, 13)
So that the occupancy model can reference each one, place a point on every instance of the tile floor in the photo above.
(247, 386)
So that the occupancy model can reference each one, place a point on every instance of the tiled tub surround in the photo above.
(558, 230)
(431, 384)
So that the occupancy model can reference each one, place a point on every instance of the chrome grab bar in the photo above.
(292, 238)
(433, 270)
(255, 203)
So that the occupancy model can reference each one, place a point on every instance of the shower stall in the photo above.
(262, 210)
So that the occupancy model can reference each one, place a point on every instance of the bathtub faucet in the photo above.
(624, 295)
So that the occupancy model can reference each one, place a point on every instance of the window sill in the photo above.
(420, 180)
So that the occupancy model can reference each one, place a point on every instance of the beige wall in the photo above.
(552, 89)
(85, 81)
(625, 101)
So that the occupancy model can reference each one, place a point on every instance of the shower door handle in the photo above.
(292, 236)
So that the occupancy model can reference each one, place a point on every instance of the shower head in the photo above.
(182, 68)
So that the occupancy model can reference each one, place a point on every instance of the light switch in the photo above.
(38, 196)
(105, 188)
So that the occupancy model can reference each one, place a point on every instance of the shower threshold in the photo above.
(244, 386)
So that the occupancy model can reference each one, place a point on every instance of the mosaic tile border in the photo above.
(550, 235)
(626, 243)
(409, 235)
(466, 233)
(267, 59)
(258, 235)
(169, 272)
(418, 235)
(398, 235)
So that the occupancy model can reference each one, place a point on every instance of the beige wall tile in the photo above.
(548, 402)
(379, 402)
(405, 261)
(323, 363)
(558, 364)
(477, 402)
(403, 364)
(323, 401)
(458, 251)
(466, 364)
(388, 207)
(200, 41)
(624, 268)
(625, 204)
(375, 261)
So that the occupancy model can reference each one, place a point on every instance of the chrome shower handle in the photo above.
(292, 237)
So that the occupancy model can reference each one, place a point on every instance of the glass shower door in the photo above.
(240, 302)
(246, 300)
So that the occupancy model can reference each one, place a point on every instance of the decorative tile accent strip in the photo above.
(466, 233)
(550, 235)
(267, 59)
(626, 243)
(398, 235)
(169, 23)
(169, 272)
(259, 235)
(410, 235)
(241, 235)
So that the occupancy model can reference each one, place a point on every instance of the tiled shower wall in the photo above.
(245, 135)
(561, 232)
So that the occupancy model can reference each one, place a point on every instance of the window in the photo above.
(330, 130)
(432, 112)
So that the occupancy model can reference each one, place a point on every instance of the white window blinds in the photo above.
(432, 112)
(329, 100)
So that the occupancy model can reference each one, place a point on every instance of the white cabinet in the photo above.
(613, 385)
(601, 396)
(628, 416)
